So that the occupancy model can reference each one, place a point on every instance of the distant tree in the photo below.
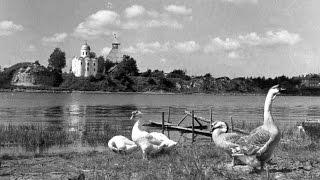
(92, 55)
(108, 64)
(208, 75)
(147, 73)
(157, 73)
(165, 84)
(101, 64)
(57, 60)
(178, 73)
(37, 63)
(127, 66)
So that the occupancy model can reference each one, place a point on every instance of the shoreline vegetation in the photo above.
(125, 77)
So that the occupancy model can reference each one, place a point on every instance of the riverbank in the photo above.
(147, 92)
(188, 161)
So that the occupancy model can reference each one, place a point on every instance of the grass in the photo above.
(294, 158)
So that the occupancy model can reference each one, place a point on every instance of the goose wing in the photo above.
(252, 143)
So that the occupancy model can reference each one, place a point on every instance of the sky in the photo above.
(231, 38)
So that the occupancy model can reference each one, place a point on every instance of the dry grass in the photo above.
(294, 158)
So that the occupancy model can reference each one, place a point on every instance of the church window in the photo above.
(87, 68)
(94, 64)
(94, 69)
(86, 53)
(87, 64)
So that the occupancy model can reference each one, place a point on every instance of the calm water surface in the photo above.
(82, 112)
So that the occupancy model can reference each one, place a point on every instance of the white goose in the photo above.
(228, 142)
(265, 137)
(148, 144)
(122, 145)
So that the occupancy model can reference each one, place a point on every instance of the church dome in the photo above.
(85, 47)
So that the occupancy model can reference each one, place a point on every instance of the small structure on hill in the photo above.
(84, 66)
(32, 74)
(115, 54)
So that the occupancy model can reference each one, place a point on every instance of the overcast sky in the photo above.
(223, 37)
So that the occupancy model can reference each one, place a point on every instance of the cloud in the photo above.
(233, 55)
(56, 38)
(132, 24)
(134, 10)
(8, 27)
(187, 46)
(154, 23)
(105, 51)
(148, 48)
(31, 48)
(219, 44)
(241, 1)
(182, 10)
(270, 38)
(97, 24)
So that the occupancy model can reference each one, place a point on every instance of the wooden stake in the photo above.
(162, 122)
(231, 120)
(169, 115)
(211, 120)
(192, 126)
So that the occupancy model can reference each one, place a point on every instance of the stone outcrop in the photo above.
(32, 75)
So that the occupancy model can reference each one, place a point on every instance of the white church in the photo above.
(84, 66)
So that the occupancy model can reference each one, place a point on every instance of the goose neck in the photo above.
(267, 109)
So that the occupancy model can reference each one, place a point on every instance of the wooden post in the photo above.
(192, 126)
(168, 122)
(231, 120)
(211, 119)
(162, 122)
(169, 115)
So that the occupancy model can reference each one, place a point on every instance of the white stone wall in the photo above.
(84, 67)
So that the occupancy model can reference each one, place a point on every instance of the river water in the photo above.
(110, 112)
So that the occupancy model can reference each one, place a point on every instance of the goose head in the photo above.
(219, 125)
(136, 115)
(275, 90)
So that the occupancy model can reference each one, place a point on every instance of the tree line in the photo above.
(125, 76)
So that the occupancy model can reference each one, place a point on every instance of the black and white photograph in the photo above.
(159, 89)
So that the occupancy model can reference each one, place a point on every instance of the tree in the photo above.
(92, 55)
(101, 64)
(127, 66)
(57, 60)
(108, 65)
(178, 73)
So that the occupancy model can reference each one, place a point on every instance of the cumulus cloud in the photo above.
(233, 55)
(270, 38)
(151, 18)
(134, 10)
(56, 38)
(97, 24)
(145, 48)
(154, 23)
(133, 24)
(105, 51)
(241, 1)
(178, 9)
(8, 27)
(31, 48)
(219, 44)
(187, 46)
